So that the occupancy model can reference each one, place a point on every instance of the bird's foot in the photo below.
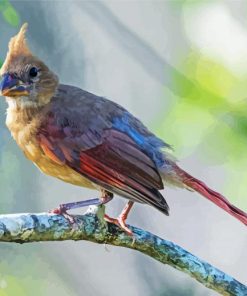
(63, 212)
(120, 222)
(63, 208)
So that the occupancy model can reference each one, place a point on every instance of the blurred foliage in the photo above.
(9, 13)
(209, 115)
(215, 101)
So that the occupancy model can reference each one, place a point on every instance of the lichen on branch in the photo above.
(27, 228)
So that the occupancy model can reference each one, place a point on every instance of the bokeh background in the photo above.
(181, 67)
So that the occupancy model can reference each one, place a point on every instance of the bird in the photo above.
(90, 141)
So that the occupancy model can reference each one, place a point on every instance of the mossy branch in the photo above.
(26, 228)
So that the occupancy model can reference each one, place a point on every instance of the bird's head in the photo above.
(26, 80)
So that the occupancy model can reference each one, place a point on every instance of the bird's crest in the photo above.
(17, 47)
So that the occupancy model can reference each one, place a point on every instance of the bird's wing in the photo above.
(105, 155)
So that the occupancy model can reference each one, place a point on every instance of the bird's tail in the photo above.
(182, 178)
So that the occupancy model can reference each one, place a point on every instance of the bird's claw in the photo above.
(120, 222)
(62, 211)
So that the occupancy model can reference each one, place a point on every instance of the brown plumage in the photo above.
(88, 140)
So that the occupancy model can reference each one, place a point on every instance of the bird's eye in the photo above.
(33, 72)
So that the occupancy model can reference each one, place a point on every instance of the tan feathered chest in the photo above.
(23, 124)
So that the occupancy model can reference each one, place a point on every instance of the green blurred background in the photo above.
(181, 67)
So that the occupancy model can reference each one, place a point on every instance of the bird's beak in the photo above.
(12, 87)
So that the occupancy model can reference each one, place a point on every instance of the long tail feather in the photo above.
(210, 194)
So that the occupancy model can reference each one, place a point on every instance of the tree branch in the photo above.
(24, 228)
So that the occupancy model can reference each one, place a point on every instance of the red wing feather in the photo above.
(114, 162)
(100, 173)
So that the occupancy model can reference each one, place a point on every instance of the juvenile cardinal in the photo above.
(87, 140)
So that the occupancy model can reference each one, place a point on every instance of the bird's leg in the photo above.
(106, 196)
(62, 209)
(120, 221)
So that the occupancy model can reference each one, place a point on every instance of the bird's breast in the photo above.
(24, 132)
(61, 171)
